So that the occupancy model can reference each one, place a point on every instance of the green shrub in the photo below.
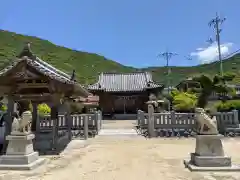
(43, 109)
(3, 107)
(184, 102)
(228, 105)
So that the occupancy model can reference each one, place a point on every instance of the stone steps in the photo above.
(118, 132)
(118, 128)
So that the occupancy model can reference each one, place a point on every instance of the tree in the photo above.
(216, 84)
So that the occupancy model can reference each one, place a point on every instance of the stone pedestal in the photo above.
(20, 154)
(209, 155)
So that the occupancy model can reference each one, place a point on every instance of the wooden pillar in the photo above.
(8, 122)
(54, 118)
(55, 103)
(35, 118)
(68, 119)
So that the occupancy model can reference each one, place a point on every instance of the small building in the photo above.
(124, 93)
(188, 84)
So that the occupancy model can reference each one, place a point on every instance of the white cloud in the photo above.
(210, 54)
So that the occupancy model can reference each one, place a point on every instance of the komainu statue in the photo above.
(205, 124)
(22, 124)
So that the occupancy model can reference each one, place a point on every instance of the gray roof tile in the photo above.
(42, 67)
(122, 82)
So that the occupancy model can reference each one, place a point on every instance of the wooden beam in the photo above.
(33, 97)
(5, 89)
(32, 85)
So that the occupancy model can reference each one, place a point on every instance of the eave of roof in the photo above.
(142, 82)
(43, 68)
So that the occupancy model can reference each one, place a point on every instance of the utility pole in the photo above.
(215, 23)
(167, 56)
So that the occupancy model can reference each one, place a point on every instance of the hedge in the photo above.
(228, 105)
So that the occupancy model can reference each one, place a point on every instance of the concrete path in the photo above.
(118, 124)
(118, 132)
(118, 128)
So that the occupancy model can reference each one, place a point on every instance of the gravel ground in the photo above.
(115, 158)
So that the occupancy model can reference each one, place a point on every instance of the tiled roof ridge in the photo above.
(31, 59)
(49, 66)
(149, 78)
(124, 73)
(28, 52)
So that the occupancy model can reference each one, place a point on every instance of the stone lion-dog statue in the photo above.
(205, 124)
(22, 124)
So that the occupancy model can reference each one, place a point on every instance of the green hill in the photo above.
(89, 65)
(179, 73)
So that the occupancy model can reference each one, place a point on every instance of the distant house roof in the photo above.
(42, 67)
(123, 82)
(91, 100)
(188, 81)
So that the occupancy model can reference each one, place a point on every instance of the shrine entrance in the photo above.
(125, 104)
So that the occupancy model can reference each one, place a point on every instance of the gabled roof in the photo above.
(123, 82)
(43, 68)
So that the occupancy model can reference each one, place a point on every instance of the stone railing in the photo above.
(182, 121)
(51, 134)
(86, 122)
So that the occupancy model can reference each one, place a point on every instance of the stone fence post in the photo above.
(86, 127)
(235, 116)
(151, 129)
(138, 117)
(97, 120)
(100, 116)
(173, 117)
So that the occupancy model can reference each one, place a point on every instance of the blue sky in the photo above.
(131, 32)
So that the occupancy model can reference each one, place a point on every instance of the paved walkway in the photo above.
(114, 158)
(118, 128)
(118, 132)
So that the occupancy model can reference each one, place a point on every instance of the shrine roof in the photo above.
(125, 82)
(42, 67)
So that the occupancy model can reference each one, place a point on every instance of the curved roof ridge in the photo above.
(127, 73)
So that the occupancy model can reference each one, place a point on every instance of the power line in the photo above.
(231, 54)
(215, 23)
